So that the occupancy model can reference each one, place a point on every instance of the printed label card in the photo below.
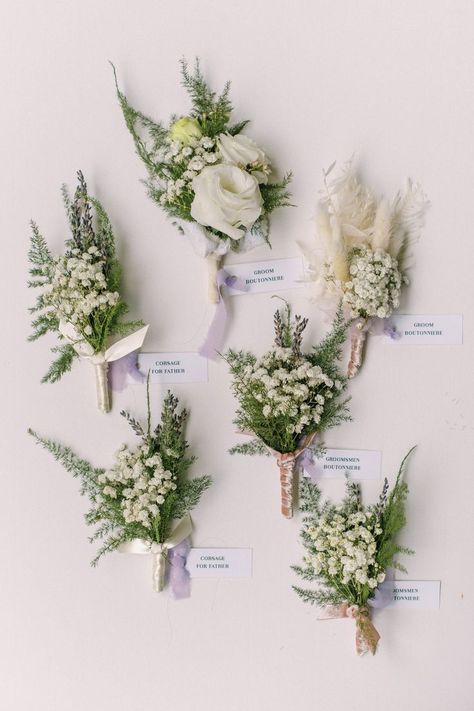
(220, 562)
(444, 329)
(173, 367)
(336, 463)
(419, 594)
(271, 275)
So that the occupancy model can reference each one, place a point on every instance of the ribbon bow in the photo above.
(178, 549)
(100, 360)
(367, 636)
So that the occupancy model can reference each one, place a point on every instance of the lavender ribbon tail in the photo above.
(215, 335)
(179, 578)
(119, 369)
(307, 465)
(383, 592)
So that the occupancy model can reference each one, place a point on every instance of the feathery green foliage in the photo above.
(115, 494)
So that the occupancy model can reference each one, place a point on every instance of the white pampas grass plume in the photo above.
(408, 216)
(382, 226)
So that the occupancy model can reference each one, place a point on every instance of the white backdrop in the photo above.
(320, 80)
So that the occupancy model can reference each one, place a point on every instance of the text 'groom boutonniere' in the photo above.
(142, 503)
(349, 549)
(287, 397)
(209, 177)
(80, 299)
(361, 257)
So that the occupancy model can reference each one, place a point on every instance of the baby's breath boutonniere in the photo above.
(141, 503)
(80, 297)
(288, 396)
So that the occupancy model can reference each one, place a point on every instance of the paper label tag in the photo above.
(356, 463)
(220, 562)
(421, 594)
(173, 367)
(272, 275)
(416, 330)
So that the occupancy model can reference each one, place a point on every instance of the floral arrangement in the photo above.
(364, 245)
(142, 503)
(349, 549)
(80, 299)
(286, 397)
(209, 177)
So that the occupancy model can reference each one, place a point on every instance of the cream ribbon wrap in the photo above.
(213, 249)
(100, 361)
(140, 546)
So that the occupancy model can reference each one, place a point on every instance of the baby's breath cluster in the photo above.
(184, 162)
(77, 287)
(345, 546)
(288, 394)
(374, 285)
(287, 386)
(140, 482)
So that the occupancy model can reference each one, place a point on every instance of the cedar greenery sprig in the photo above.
(145, 490)
(286, 394)
(79, 289)
(350, 546)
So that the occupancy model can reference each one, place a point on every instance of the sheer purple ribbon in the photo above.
(215, 336)
(385, 327)
(305, 462)
(119, 369)
(179, 578)
(383, 594)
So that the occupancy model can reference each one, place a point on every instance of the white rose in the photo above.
(226, 198)
(240, 150)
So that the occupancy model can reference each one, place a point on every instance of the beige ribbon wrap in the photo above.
(367, 636)
(100, 361)
(139, 546)
(286, 462)
(358, 338)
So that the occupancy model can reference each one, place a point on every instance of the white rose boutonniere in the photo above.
(240, 150)
(227, 199)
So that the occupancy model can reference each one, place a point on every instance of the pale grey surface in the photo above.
(319, 80)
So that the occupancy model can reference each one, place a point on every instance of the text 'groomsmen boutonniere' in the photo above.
(287, 397)
(80, 299)
(213, 181)
(141, 504)
(361, 257)
(349, 549)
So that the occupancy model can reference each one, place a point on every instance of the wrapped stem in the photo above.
(286, 463)
(358, 337)
(213, 265)
(102, 386)
(159, 567)
(367, 636)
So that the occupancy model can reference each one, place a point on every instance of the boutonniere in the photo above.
(288, 396)
(361, 258)
(80, 297)
(215, 183)
(349, 549)
(141, 503)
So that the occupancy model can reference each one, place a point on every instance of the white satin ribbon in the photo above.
(139, 546)
(117, 350)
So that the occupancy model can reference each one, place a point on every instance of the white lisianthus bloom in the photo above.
(241, 151)
(226, 198)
